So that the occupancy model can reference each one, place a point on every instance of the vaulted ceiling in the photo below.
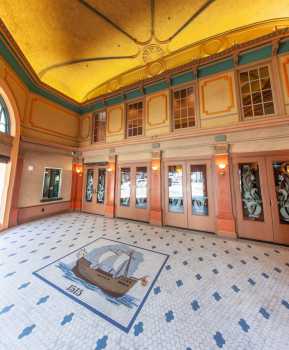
(85, 48)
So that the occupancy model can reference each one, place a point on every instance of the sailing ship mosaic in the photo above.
(110, 278)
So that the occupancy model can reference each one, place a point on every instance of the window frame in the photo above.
(6, 115)
(196, 106)
(135, 101)
(93, 124)
(46, 199)
(246, 68)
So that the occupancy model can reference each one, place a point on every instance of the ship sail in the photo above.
(119, 264)
(105, 256)
(105, 261)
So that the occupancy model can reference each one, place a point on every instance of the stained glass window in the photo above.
(4, 118)
(101, 186)
(281, 175)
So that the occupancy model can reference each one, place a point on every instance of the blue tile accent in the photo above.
(265, 275)
(244, 325)
(101, 343)
(219, 339)
(284, 47)
(215, 271)
(264, 313)
(156, 87)
(182, 78)
(157, 290)
(285, 303)
(169, 316)
(195, 305)
(179, 283)
(235, 288)
(26, 331)
(217, 296)
(252, 282)
(198, 276)
(9, 274)
(133, 94)
(138, 329)
(24, 285)
(42, 300)
(67, 319)
(6, 309)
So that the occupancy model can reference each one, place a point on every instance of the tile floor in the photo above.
(212, 293)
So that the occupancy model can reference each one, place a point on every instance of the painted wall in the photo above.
(41, 119)
(32, 181)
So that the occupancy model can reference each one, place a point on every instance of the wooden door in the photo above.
(94, 189)
(201, 211)
(132, 199)
(254, 218)
(278, 179)
(175, 194)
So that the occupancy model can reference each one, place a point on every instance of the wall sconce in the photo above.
(78, 169)
(30, 168)
(222, 167)
(155, 168)
(109, 169)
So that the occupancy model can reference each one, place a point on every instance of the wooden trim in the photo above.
(108, 119)
(148, 100)
(286, 75)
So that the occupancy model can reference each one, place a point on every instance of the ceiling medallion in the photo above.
(152, 53)
(155, 68)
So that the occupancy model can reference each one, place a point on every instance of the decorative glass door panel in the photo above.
(125, 187)
(281, 177)
(89, 185)
(100, 196)
(132, 200)
(94, 189)
(199, 190)
(278, 182)
(141, 187)
(252, 203)
(175, 189)
(254, 219)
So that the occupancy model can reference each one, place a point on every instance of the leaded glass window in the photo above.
(4, 117)
(256, 92)
(184, 108)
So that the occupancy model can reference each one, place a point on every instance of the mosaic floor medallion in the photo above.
(110, 278)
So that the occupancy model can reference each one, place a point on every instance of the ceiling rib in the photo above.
(193, 17)
(82, 60)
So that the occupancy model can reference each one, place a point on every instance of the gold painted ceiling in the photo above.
(85, 48)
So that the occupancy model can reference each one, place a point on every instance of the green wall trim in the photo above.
(114, 100)
(6, 53)
(284, 47)
(182, 78)
(216, 68)
(256, 55)
(133, 94)
(162, 85)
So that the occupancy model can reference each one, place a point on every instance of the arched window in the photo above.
(4, 117)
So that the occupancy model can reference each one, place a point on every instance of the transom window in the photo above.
(4, 118)
(135, 119)
(256, 92)
(184, 108)
(99, 126)
(51, 184)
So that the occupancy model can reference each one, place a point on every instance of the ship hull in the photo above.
(113, 286)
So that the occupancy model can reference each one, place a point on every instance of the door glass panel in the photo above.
(199, 190)
(175, 187)
(125, 187)
(141, 184)
(281, 176)
(100, 186)
(252, 203)
(89, 185)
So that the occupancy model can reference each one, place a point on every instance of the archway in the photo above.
(9, 142)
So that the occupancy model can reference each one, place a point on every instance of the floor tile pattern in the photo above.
(212, 294)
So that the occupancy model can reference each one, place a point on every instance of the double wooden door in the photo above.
(94, 193)
(188, 194)
(262, 197)
(132, 191)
